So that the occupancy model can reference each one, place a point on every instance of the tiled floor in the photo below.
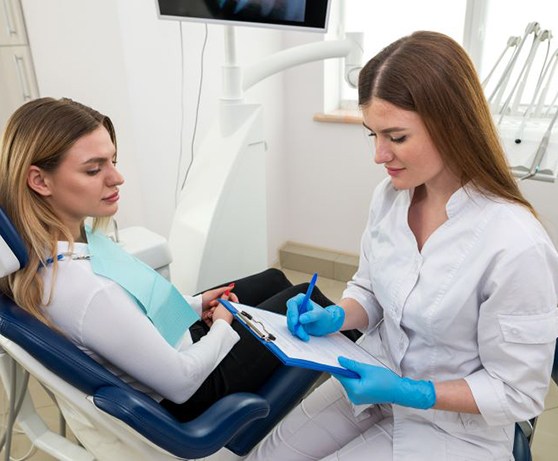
(545, 444)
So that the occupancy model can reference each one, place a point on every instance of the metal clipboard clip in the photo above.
(256, 326)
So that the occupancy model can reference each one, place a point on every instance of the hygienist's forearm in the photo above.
(355, 315)
(455, 396)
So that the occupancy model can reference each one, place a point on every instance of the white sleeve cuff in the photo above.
(490, 397)
(195, 302)
(223, 328)
(368, 303)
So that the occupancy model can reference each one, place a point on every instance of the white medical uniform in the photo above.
(478, 302)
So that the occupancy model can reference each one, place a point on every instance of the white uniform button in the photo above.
(514, 331)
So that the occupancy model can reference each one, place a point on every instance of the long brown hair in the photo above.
(431, 74)
(39, 133)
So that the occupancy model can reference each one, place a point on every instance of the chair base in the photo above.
(103, 438)
(33, 425)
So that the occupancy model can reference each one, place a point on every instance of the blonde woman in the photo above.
(57, 168)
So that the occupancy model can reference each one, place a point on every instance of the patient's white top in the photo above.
(103, 320)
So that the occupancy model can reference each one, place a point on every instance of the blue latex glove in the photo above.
(316, 321)
(380, 385)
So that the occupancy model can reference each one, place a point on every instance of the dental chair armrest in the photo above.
(194, 439)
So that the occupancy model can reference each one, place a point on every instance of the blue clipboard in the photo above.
(271, 335)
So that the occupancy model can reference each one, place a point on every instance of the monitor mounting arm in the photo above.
(237, 79)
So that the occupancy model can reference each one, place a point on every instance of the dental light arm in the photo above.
(237, 80)
(349, 48)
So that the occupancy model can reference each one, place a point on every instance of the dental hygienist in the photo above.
(58, 167)
(456, 289)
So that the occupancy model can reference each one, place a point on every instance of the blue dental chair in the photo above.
(521, 446)
(111, 420)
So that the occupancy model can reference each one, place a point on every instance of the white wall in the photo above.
(76, 56)
(544, 197)
(331, 173)
(118, 57)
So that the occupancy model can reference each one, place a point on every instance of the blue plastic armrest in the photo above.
(194, 439)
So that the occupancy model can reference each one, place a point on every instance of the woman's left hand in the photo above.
(380, 385)
(210, 301)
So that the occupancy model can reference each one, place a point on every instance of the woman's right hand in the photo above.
(221, 312)
(316, 321)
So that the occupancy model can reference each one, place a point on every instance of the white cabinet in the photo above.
(17, 79)
(12, 26)
(17, 74)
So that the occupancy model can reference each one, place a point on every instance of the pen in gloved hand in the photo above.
(304, 305)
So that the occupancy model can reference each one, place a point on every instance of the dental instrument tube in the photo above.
(544, 35)
(520, 79)
(512, 42)
(541, 150)
(498, 93)
(527, 113)
(554, 61)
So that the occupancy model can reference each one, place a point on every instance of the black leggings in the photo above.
(249, 364)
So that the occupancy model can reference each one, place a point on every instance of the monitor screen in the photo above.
(309, 15)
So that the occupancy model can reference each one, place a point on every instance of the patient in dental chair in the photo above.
(57, 168)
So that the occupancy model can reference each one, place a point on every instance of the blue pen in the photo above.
(304, 306)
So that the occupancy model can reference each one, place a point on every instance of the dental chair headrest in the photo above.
(13, 255)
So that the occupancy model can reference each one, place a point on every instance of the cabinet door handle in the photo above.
(20, 65)
(10, 23)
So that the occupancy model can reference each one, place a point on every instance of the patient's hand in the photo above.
(209, 298)
(221, 312)
(210, 304)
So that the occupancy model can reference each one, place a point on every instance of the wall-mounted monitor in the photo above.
(309, 15)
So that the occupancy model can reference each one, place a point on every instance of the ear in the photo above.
(36, 181)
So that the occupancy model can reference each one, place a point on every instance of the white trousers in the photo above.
(324, 427)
